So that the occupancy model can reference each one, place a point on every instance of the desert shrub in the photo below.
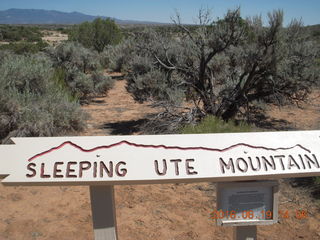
(211, 124)
(19, 33)
(80, 84)
(26, 74)
(23, 39)
(4, 54)
(72, 55)
(169, 120)
(59, 76)
(79, 68)
(9, 114)
(117, 57)
(223, 66)
(102, 83)
(97, 34)
(153, 86)
(31, 103)
(46, 115)
(25, 47)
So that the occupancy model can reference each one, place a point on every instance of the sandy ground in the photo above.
(304, 117)
(54, 37)
(164, 212)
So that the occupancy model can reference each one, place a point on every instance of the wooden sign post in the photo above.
(102, 162)
(103, 212)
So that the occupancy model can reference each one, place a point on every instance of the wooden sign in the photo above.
(160, 159)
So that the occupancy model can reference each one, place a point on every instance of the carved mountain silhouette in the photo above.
(40, 16)
(163, 147)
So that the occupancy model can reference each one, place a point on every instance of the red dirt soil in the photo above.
(159, 212)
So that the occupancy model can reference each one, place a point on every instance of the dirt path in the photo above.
(306, 116)
(157, 212)
(116, 113)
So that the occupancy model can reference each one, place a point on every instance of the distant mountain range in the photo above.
(39, 16)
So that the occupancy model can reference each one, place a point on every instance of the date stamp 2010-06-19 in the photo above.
(261, 215)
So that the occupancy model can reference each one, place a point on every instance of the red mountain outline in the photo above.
(162, 146)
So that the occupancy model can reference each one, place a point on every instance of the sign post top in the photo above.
(160, 158)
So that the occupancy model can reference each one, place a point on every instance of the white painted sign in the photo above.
(161, 158)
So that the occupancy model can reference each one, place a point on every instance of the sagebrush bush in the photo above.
(72, 55)
(81, 85)
(102, 83)
(47, 115)
(80, 69)
(153, 86)
(223, 66)
(117, 57)
(26, 74)
(4, 54)
(9, 114)
(31, 101)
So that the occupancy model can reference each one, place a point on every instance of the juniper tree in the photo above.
(97, 34)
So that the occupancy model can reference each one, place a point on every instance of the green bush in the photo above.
(73, 56)
(211, 124)
(81, 85)
(25, 47)
(26, 74)
(97, 34)
(59, 76)
(225, 65)
(31, 102)
(102, 83)
(3, 55)
(80, 69)
(117, 57)
(20, 33)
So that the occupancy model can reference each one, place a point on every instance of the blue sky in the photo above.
(162, 10)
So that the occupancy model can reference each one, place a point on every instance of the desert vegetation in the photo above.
(32, 104)
(218, 73)
(18, 33)
(211, 124)
(80, 70)
(223, 67)
(41, 89)
(21, 39)
(41, 93)
(214, 76)
(97, 34)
